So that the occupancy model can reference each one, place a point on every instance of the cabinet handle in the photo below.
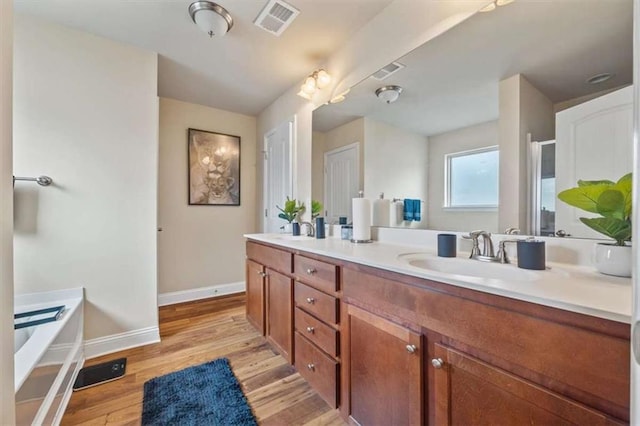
(311, 271)
(411, 349)
(262, 274)
(311, 300)
(311, 367)
(311, 330)
(437, 363)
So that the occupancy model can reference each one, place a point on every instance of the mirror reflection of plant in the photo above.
(611, 200)
(316, 208)
(292, 209)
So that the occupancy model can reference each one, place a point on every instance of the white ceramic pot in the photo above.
(287, 228)
(611, 259)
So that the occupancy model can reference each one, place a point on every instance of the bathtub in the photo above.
(47, 357)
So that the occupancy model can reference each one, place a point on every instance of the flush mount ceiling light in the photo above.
(389, 94)
(600, 78)
(317, 80)
(211, 17)
(495, 3)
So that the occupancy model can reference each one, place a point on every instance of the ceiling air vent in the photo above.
(276, 16)
(387, 70)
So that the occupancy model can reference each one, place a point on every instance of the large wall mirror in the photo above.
(530, 97)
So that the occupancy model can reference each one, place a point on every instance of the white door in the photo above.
(278, 181)
(594, 141)
(341, 180)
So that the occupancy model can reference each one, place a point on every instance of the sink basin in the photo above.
(468, 267)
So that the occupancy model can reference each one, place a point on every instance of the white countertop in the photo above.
(573, 288)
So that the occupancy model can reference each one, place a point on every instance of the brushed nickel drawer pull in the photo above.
(311, 330)
(311, 367)
(262, 274)
(437, 363)
(311, 271)
(411, 349)
(311, 300)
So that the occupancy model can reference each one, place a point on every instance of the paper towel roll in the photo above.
(397, 213)
(361, 219)
(381, 212)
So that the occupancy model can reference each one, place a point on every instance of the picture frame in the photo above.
(213, 168)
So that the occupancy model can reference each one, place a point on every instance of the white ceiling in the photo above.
(244, 71)
(452, 81)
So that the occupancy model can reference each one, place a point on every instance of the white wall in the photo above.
(472, 137)
(395, 162)
(201, 246)
(399, 28)
(86, 114)
(523, 109)
(7, 396)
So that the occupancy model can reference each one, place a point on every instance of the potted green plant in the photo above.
(292, 209)
(612, 202)
(316, 208)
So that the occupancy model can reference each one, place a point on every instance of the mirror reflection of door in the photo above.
(278, 182)
(592, 143)
(543, 165)
(341, 174)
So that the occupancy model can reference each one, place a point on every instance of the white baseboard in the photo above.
(174, 297)
(121, 341)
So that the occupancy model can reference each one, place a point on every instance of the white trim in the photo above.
(174, 297)
(118, 342)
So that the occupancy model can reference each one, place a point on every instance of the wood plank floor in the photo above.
(193, 333)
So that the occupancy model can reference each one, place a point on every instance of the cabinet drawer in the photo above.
(318, 369)
(279, 260)
(325, 337)
(321, 305)
(318, 274)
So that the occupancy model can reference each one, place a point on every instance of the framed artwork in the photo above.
(214, 168)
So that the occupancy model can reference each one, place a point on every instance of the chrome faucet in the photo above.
(311, 231)
(487, 254)
(502, 251)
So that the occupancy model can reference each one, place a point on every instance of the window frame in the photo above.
(447, 180)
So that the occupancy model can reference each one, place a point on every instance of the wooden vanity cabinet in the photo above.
(468, 391)
(384, 367)
(255, 280)
(490, 359)
(317, 323)
(388, 348)
(279, 308)
(270, 295)
(293, 300)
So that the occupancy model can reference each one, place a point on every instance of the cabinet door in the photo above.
(280, 313)
(385, 371)
(469, 391)
(255, 294)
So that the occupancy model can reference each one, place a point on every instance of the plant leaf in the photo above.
(611, 203)
(584, 197)
(625, 185)
(619, 230)
(595, 182)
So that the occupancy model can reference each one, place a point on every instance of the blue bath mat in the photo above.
(207, 394)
